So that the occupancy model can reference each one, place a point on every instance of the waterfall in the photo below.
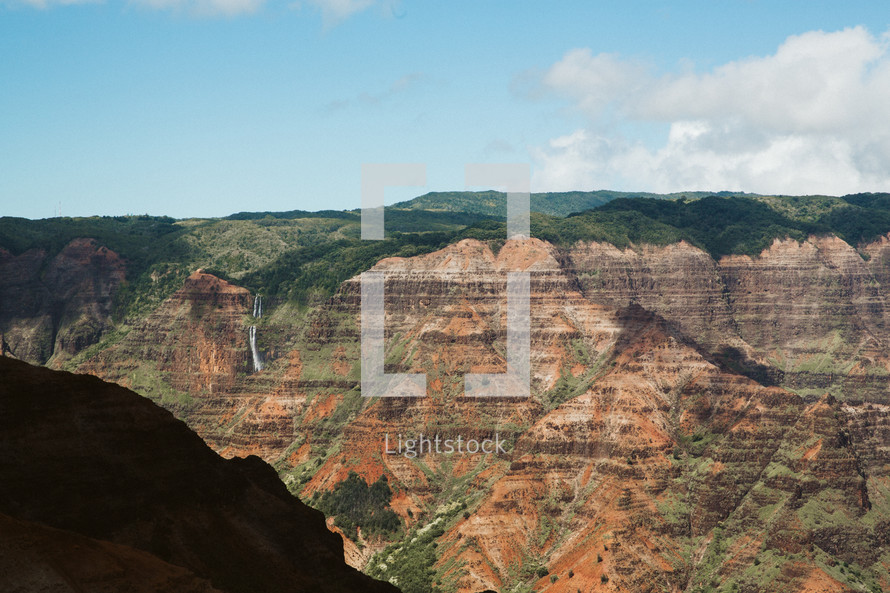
(257, 361)
(258, 306)
(254, 351)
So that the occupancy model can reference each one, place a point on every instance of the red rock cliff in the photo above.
(50, 309)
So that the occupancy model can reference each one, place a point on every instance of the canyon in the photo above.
(697, 423)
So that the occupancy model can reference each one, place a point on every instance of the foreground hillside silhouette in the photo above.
(102, 490)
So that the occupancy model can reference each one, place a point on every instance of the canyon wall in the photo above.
(694, 423)
(53, 308)
(811, 316)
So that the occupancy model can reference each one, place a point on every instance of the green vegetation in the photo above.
(719, 225)
(356, 505)
(294, 214)
(409, 564)
(313, 271)
(746, 225)
(409, 567)
(128, 236)
(494, 203)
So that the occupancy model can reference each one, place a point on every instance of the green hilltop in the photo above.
(493, 203)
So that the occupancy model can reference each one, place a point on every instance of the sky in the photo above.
(201, 108)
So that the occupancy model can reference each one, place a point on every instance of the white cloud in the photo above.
(206, 7)
(595, 81)
(402, 85)
(810, 118)
(48, 3)
(334, 11)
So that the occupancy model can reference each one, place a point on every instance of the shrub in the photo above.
(355, 505)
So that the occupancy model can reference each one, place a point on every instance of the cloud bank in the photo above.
(811, 118)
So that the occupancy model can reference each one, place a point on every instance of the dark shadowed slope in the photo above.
(35, 558)
(85, 456)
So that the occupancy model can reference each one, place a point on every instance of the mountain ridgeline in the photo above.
(710, 378)
(304, 256)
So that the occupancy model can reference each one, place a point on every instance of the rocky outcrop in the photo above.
(811, 316)
(52, 308)
(196, 339)
(192, 356)
(91, 458)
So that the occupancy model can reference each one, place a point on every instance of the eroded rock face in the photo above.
(680, 282)
(95, 459)
(50, 309)
(663, 456)
(665, 467)
(195, 340)
(811, 316)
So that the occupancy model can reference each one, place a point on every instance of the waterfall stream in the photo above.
(258, 306)
(254, 351)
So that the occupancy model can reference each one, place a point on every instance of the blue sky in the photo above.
(208, 107)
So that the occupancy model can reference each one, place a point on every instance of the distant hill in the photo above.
(719, 225)
(493, 203)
